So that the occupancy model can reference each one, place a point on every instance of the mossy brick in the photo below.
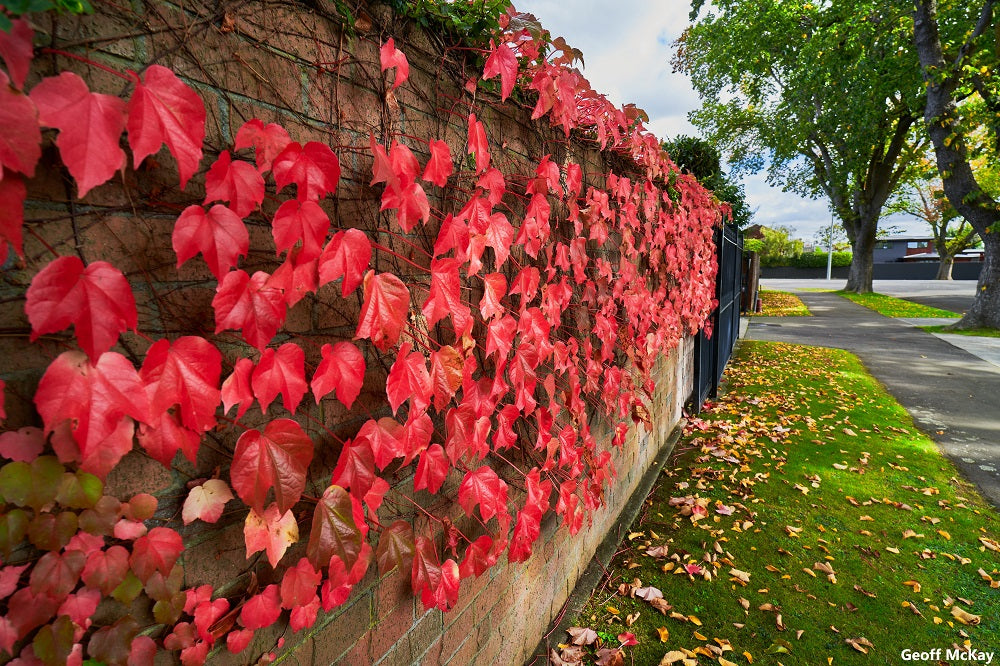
(339, 631)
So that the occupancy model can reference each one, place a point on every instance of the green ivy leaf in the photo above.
(128, 589)
(13, 528)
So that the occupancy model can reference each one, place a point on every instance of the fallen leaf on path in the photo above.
(582, 635)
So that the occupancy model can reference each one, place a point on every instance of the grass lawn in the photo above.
(896, 307)
(801, 520)
(977, 332)
(782, 304)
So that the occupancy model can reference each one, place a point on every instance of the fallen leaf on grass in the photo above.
(661, 605)
(631, 618)
(672, 657)
(658, 551)
(725, 662)
(865, 592)
(582, 635)
(862, 644)
(990, 543)
(965, 617)
(741, 577)
(649, 593)
(914, 584)
(779, 647)
(663, 633)
(988, 578)
(609, 657)
(913, 608)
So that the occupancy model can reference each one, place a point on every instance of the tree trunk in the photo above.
(944, 268)
(947, 135)
(985, 310)
(859, 276)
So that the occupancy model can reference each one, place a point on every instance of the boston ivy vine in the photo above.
(506, 337)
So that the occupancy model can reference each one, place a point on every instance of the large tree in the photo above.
(703, 160)
(924, 199)
(824, 95)
(958, 61)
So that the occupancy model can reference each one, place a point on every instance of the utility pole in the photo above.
(829, 254)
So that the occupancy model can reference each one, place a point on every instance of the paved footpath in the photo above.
(952, 394)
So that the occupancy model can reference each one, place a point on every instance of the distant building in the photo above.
(897, 248)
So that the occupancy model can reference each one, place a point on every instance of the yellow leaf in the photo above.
(809, 571)
(612, 610)
(694, 620)
(635, 535)
(700, 637)
(937, 620)
(772, 568)
(726, 662)
(664, 634)
(748, 656)
(944, 534)
(914, 584)
(894, 551)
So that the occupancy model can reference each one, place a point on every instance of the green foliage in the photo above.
(19, 7)
(818, 259)
(702, 160)
(778, 247)
(470, 23)
(753, 245)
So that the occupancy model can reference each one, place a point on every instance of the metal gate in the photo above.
(711, 354)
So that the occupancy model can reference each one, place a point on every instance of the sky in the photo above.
(627, 48)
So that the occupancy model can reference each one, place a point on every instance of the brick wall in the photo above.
(293, 63)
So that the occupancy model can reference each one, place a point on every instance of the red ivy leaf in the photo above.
(218, 234)
(466, 433)
(408, 380)
(355, 467)
(106, 569)
(313, 168)
(236, 182)
(410, 202)
(268, 141)
(390, 56)
(478, 144)
(384, 311)
(445, 296)
(273, 532)
(526, 532)
(162, 439)
(386, 437)
(97, 300)
(432, 469)
(57, 574)
(90, 126)
(165, 110)
(17, 50)
(12, 196)
(156, 551)
(300, 221)
(439, 166)
(342, 370)
(477, 557)
(485, 488)
(502, 61)
(446, 374)
(299, 584)
(346, 256)
(185, 373)
(277, 457)
(436, 583)
(395, 547)
(280, 372)
(21, 140)
(248, 303)
(236, 389)
(338, 529)
(24, 444)
(261, 610)
(494, 288)
(94, 398)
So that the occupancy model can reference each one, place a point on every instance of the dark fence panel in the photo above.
(711, 354)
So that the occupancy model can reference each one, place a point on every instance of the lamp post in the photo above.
(829, 254)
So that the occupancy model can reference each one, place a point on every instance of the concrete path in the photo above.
(952, 394)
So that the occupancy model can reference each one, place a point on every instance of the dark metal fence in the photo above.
(712, 353)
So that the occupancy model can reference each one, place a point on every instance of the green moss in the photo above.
(890, 306)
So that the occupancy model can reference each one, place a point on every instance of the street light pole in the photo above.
(829, 254)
